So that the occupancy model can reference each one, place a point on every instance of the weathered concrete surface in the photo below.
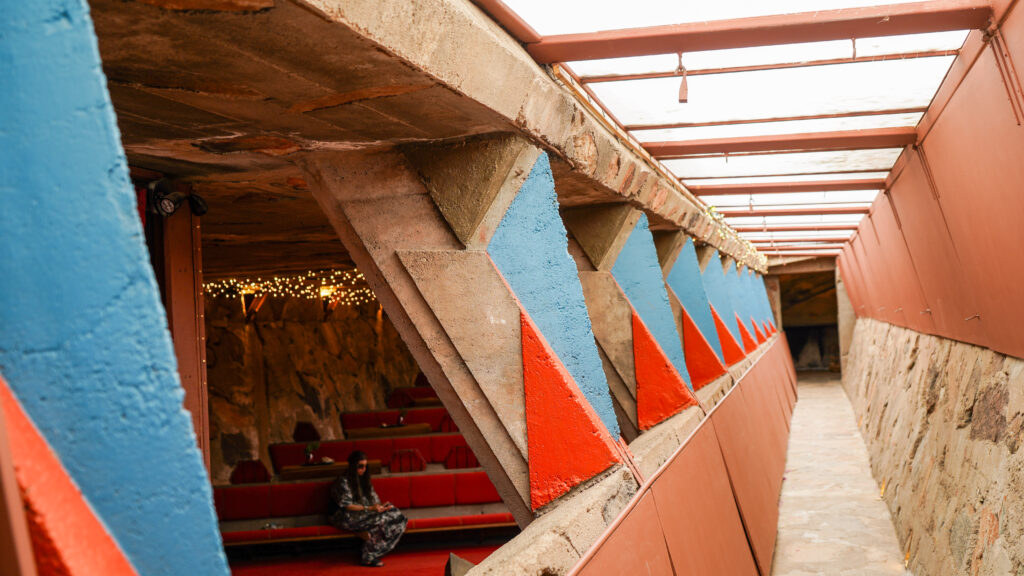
(655, 446)
(555, 542)
(846, 320)
(944, 423)
(831, 518)
(471, 55)
(601, 230)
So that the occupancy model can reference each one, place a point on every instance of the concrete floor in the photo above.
(831, 517)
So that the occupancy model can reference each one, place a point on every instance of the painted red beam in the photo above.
(788, 187)
(841, 140)
(734, 212)
(762, 67)
(841, 24)
(795, 254)
(796, 228)
(855, 114)
(509, 20)
(788, 239)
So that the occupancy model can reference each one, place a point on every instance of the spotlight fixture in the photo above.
(681, 70)
(164, 199)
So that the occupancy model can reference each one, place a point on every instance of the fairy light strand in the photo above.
(345, 287)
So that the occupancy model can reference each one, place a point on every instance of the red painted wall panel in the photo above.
(896, 259)
(976, 152)
(942, 279)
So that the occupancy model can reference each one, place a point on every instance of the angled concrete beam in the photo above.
(585, 148)
(845, 140)
(842, 24)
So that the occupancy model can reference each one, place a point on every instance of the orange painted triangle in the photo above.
(566, 442)
(67, 538)
(701, 361)
(748, 341)
(730, 347)
(660, 390)
(761, 338)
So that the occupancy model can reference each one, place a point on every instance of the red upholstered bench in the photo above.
(410, 395)
(310, 499)
(433, 415)
(433, 447)
(461, 457)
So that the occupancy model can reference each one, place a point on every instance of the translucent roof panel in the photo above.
(574, 16)
(790, 198)
(785, 178)
(768, 55)
(687, 168)
(861, 86)
(787, 127)
(795, 220)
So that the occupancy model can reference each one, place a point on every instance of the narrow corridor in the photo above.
(831, 517)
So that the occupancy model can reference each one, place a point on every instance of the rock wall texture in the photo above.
(944, 423)
(290, 364)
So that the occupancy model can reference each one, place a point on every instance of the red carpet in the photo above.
(410, 563)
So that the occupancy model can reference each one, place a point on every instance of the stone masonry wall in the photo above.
(944, 424)
(288, 365)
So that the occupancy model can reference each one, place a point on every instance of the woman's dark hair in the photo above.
(360, 485)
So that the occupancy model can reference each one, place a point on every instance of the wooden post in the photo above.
(183, 298)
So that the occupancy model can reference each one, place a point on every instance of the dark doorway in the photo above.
(809, 316)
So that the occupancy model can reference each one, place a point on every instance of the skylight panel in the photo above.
(690, 168)
(777, 93)
(575, 16)
(787, 127)
(862, 196)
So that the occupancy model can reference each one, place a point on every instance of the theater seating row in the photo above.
(275, 501)
(436, 416)
(412, 396)
(433, 447)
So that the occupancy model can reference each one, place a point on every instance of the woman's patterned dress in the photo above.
(385, 528)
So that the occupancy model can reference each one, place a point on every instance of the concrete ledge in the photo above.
(653, 448)
(553, 543)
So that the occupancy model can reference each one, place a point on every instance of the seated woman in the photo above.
(356, 507)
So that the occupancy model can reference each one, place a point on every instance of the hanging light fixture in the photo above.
(681, 70)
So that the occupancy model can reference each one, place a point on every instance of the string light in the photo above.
(750, 253)
(345, 287)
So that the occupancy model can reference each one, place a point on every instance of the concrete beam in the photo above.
(465, 59)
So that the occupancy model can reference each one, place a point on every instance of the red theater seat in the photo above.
(307, 498)
(245, 536)
(407, 460)
(338, 450)
(461, 457)
(294, 533)
(376, 448)
(447, 425)
(474, 488)
(434, 523)
(442, 444)
(421, 443)
(434, 490)
(242, 502)
(432, 416)
(249, 472)
(394, 489)
(480, 519)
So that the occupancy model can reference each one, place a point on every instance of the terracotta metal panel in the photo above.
(868, 279)
(896, 259)
(846, 272)
(975, 150)
(637, 546)
(891, 309)
(948, 292)
(748, 455)
(701, 523)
